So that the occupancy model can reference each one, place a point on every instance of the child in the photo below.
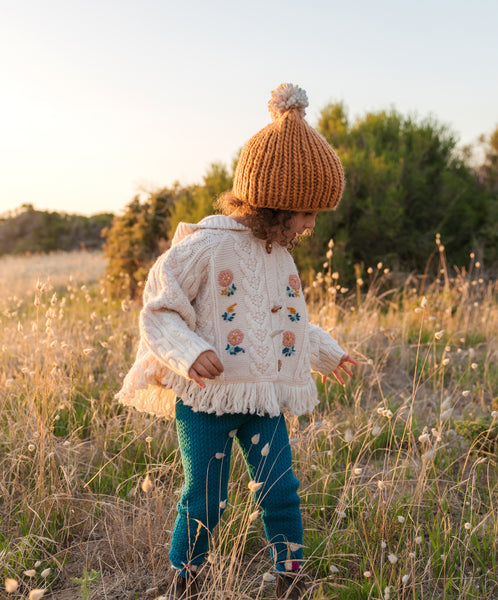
(226, 347)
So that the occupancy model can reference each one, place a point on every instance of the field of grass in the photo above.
(398, 469)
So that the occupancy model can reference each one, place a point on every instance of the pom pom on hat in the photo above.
(286, 97)
(288, 165)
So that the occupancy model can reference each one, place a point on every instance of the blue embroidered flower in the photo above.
(229, 314)
(293, 314)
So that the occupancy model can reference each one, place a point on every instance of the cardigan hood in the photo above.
(217, 288)
(219, 222)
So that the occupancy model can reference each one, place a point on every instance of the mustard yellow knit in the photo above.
(289, 166)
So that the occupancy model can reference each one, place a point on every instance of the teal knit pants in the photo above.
(205, 442)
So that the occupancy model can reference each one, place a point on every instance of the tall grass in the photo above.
(398, 469)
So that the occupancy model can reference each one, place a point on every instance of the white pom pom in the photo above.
(285, 97)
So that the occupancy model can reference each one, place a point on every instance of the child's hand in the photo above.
(207, 365)
(342, 365)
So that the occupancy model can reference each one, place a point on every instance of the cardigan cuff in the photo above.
(326, 354)
(180, 362)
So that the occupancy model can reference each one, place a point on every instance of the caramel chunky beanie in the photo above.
(288, 165)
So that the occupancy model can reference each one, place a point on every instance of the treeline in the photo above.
(406, 182)
(27, 230)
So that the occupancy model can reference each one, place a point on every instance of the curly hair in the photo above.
(265, 223)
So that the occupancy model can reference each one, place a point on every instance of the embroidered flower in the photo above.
(294, 286)
(225, 279)
(229, 314)
(288, 341)
(293, 314)
(234, 338)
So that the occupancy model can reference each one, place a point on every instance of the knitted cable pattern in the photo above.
(215, 290)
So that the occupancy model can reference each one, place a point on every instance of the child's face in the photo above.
(298, 224)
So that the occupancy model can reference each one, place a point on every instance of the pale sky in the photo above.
(102, 98)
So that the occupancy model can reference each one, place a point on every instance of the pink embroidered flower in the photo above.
(225, 278)
(288, 339)
(235, 337)
(294, 282)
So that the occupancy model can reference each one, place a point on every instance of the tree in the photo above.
(405, 183)
(487, 172)
(144, 230)
(196, 202)
(28, 230)
(135, 239)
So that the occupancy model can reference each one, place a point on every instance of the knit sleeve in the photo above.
(168, 318)
(326, 353)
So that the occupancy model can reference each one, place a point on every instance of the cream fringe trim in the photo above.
(263, 398)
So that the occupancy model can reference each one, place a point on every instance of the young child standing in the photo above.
(226, 347)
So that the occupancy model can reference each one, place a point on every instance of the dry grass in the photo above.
(398, 469)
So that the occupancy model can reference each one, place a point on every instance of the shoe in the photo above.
(176, 587)
(293, 585)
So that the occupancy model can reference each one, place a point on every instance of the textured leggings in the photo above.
(205, 442)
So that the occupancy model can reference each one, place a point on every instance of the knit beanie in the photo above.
(288, 165)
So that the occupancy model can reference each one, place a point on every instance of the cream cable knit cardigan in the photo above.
(217, 288)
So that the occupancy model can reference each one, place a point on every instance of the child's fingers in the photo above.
(206, 366)
(210, 365)
(216, 366)
(205, 370)
(346, 370)
(347, 359)
(196, 377)
(338, 377)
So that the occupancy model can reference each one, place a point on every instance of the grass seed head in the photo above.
(147, 485)
(10, 585)
(254, 486)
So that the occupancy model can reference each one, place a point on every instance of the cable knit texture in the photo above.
(217, 288)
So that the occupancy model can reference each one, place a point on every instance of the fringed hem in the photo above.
(263, 398)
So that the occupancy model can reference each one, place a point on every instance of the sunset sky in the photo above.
(101, 99)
